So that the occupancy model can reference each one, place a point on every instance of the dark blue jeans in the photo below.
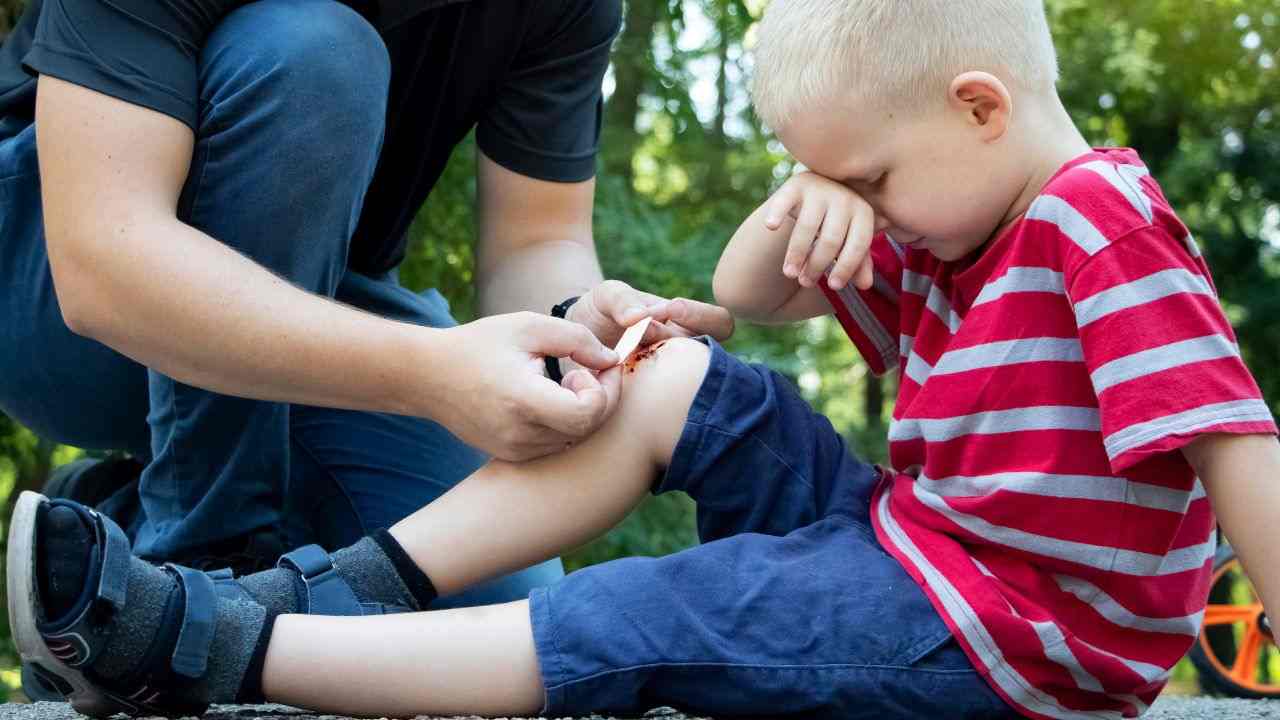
(789, 607)
(292, 103)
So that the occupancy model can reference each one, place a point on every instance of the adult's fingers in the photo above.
(699, 318)
(609, 382)
(555, 337)
(623, 304)
(575, 410)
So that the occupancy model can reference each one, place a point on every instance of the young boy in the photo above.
(1042, 545)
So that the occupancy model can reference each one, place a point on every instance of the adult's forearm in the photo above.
(537, 276)
(184, 304)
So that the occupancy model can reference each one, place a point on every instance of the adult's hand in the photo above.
(492, 392)
(613, 306)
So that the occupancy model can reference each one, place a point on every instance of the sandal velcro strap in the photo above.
(114, 581)
(227, 587)
(327, 592)
(195, 636)
(74, 640)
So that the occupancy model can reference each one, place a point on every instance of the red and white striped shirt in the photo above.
(1045, 387)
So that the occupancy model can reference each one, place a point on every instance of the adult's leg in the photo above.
(63, 386)
(293, 96)
(354, 472)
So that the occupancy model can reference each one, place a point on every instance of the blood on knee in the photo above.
(641, 355)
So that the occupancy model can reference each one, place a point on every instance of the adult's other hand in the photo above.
(613, 306)
(491, 390)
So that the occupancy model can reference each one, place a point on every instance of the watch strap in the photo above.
(553, 363)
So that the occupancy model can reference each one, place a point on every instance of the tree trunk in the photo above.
(873, 400)
(718, 174)
(632, 68)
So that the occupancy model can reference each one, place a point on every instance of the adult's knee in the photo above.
(317, 62)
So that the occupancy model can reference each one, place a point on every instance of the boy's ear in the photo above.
(985, 102)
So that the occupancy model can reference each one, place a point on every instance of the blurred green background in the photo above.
(1192, 84)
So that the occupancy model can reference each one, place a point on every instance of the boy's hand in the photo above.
(832, 224)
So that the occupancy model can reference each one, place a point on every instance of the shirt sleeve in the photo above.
(140, 51)
(1160, 352)
(871, 317)
(545, 121)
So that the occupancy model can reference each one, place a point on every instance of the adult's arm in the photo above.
(536, 249)
(131, 275)
(536, 167)
(535, 243)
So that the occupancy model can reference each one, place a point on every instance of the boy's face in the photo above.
(932, 181)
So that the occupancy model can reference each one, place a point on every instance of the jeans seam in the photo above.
(555, 642)
(176, 441)
(305, 449)
(761, 666)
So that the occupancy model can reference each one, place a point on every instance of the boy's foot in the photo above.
(113, 633)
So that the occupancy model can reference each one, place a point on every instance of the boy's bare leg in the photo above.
(465, 661)
(505, 516)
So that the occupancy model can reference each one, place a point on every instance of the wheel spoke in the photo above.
(1245, 669)
(1226, 614)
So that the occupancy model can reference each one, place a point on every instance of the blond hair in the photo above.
(811, 52)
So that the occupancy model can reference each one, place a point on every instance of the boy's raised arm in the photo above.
(1241, 474)
(771, 268)
(749, 280)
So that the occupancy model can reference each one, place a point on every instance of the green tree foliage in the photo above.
(1192, 85)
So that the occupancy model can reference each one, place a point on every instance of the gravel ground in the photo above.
(1169, 708)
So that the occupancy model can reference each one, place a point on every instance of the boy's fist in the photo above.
(832, 224)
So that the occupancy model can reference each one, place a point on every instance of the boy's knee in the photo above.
(674, 361)
(659, 384)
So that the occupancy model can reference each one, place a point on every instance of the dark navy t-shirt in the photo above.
(526, 74)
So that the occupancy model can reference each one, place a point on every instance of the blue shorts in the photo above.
(789, 605)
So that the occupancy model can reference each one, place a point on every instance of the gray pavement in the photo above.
(1167, 708)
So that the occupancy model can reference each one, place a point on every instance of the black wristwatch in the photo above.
(553, 363)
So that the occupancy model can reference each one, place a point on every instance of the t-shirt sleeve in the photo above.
(1160, 352)
(140, 51)
(871, 317)
(545, 120)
